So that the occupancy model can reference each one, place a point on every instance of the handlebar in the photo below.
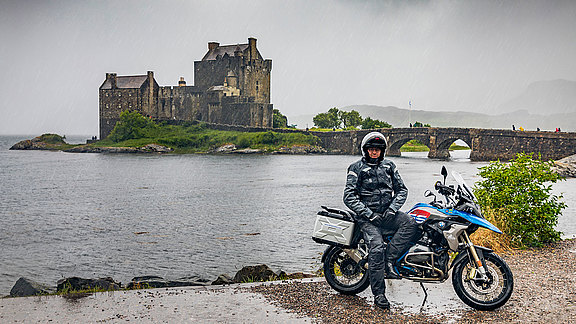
(443, 189)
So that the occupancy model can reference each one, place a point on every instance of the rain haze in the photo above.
(440, 55)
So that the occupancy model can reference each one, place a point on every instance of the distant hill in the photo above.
(398, 117)
(543, 104)
(521, 118)
(545, 98)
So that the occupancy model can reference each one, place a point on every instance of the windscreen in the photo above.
(465, 188)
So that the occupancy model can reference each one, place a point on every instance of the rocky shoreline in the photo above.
(25, 287)
(37, 143)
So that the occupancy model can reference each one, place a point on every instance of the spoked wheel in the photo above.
(344, 274)
(483, 295)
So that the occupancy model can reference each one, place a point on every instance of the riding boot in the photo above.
(381, 302)
(390, 273)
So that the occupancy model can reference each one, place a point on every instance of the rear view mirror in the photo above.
(444, 173)
(429, 193)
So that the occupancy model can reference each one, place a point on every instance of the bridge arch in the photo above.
(442, 149)
(399, 137)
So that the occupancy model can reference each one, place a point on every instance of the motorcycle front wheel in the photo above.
(344, 274)
(483, 295)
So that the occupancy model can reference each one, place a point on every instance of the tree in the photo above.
(279, 120)
(419, 124)
(130, 126)
(330, 119)
(351, 119)
(369, 123)
(519, 196)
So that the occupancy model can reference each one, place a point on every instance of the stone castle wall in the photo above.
(232, 87)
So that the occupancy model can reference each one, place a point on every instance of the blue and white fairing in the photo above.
(422, 212)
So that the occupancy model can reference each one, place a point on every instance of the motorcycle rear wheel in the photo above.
(483, 295)
(344, 274)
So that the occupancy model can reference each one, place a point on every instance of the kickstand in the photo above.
(425, 296)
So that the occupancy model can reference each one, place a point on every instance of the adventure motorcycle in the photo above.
(479, 276)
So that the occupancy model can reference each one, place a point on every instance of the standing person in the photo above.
(375, 192)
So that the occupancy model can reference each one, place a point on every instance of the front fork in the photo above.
(478, 273)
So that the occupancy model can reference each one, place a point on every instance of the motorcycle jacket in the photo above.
(373, 187)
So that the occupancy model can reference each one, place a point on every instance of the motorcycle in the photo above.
(480, 277)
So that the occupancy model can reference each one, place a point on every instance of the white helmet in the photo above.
(374, 139)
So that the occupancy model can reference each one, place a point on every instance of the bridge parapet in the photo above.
(485, 144)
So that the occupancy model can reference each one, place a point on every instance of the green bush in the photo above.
(279, 120)
(519, 195)
(132, 125)
(52, 138)
(369, 123)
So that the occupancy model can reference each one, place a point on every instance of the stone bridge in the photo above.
(485, 144)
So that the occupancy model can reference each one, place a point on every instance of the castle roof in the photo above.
(225, 49)
(126, 82)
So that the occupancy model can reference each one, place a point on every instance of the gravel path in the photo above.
(544, 292)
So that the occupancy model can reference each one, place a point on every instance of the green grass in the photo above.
(416, 146)
(197, 138)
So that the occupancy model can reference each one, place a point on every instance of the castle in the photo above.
(232, 86)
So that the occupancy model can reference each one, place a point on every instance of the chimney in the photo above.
(252, 44)
(212, 45)
(181, 83)
(112, 78)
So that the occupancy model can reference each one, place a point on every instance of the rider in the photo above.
(375, 192)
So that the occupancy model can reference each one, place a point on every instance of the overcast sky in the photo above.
(441, 55)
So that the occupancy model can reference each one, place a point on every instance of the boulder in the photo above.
(301, 149)
(248, 151)
(225, 148)
(255, 273)
(155, 148)
(25, 287)
(566, 167)
(30, 145)
(223, 279)
(76, 283)
(145, 282)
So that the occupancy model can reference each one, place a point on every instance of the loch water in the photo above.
(124, 215)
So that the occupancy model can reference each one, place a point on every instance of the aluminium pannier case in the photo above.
(333, 226)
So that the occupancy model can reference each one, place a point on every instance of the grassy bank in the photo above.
(197, 138)
(416, 146)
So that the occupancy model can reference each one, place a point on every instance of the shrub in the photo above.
(518, 195)
(279, 120)
(132, 125)
(51, 138)
(369, 123)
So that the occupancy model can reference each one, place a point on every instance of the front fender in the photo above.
(479, 249)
